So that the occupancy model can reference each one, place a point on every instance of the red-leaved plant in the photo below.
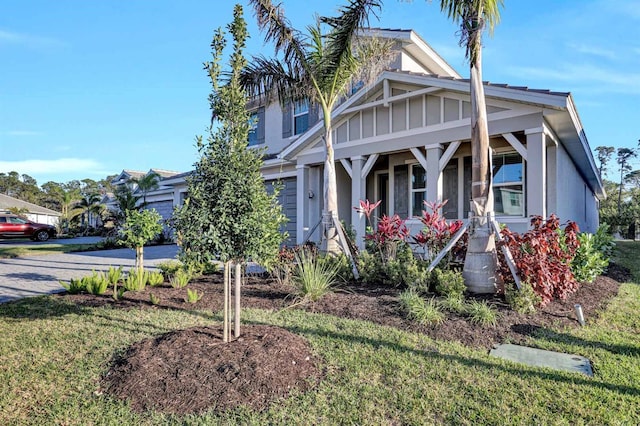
(436, 232)
(543, 257)
(390, 232)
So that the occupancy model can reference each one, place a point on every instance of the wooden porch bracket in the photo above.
(514, 142)
(420, 157)
(347, 166)
(368, 165)
(448, 154)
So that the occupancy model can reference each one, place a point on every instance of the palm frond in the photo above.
(339, 55)
(268, 77)
(473, 16)
(278, 29)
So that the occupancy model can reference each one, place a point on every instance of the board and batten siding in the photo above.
(287, 199)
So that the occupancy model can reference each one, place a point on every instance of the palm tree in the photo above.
(90, 205)
(474, 16)
(68, 202)
(147, 183)
(317, 67)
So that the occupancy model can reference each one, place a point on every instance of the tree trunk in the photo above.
(140, 258)
(481, 261)
(330, 236)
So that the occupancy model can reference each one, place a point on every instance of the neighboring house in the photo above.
(160, 199)
(35, 213)
(405, 138)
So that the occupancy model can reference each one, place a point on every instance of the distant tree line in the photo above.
(78, 201)
(621, 209)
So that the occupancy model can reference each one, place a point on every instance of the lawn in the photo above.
(53, 353)
(41, 249)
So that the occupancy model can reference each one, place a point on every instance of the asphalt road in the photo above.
(37, 275)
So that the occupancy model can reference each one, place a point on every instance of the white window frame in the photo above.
(521, 182)
(254, 128)
(297, 112)
(413, 190)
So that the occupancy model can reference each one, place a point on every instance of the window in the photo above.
(300, 117)
(508, 187)
(418, 189)
(256, 131)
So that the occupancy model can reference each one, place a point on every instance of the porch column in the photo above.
(302, 201)
(434, 175)
(536, 181)
(358, 192)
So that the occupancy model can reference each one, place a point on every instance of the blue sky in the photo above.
(88, 88)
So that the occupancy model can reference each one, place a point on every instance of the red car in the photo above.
(12, 226)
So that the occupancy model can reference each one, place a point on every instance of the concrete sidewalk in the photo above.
(37, 275)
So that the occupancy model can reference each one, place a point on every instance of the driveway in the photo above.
(38, 275)
(26, 242)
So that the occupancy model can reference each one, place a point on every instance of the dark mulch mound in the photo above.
(192, 371)
(619, 273)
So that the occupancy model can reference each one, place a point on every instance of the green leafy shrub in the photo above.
(341, 263)
(169, 267)
(108, 243)
(312, 278)
(154, 279)
(453, 303)
(114, 275)
(447, 283)
(193, 296)
(592, 255)
(419, 310)
(154, 299)
(481, 313)
(96, 283)
(401, 270)
(523, 301)
(180, 279)
(136, 280)
(74, 286)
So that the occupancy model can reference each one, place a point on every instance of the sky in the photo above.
(88, 88)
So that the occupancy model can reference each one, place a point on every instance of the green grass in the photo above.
(41, 249)
(627, 253)
(52, 355)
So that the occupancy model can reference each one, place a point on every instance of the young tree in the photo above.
(229, 216)
(481, 261)
(317, 68)
(138, 229)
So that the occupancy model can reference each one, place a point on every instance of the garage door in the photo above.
(287, 199)
(165, 208)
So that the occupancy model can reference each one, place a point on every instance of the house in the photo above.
(34, 212)
(160, 198)
(405, 138)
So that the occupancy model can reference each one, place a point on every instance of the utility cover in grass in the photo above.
(541, 358)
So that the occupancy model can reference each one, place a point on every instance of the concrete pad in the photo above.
(541, 358)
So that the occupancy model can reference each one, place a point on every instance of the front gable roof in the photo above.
(558, 110)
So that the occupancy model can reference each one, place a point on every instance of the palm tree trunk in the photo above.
(481, 261)
(330, 237)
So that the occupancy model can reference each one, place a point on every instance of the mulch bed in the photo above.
(190, 371)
